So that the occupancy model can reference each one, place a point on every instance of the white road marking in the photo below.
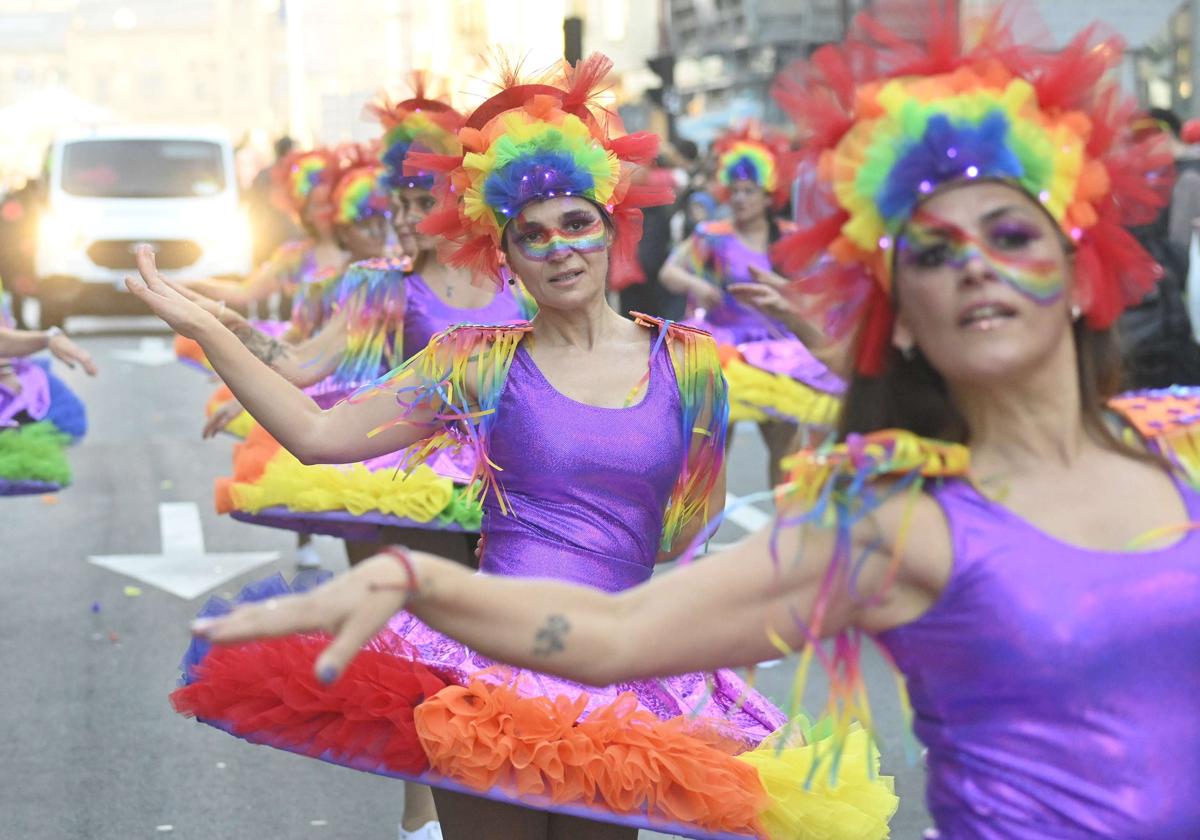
(746, 516)
(183, 568)
(151, 352)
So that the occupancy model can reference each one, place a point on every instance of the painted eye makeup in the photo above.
(580, 232)
(1013, 235)
(930, 243)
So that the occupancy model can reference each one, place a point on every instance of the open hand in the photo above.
(231, 319)
(179, 313)
(71, 354)
(766, 299)
(225, 414)
(353, 607)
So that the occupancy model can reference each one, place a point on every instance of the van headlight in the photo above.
(226, 238)
(59, 231)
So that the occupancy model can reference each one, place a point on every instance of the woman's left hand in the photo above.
(353, 607)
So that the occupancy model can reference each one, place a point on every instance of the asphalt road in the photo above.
(91, 748)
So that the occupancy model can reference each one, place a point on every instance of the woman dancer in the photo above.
(305, 182)
(1048, 642)
(600, 450)
(39, 415)
(780, 384)
(344, 194)
(383, 316)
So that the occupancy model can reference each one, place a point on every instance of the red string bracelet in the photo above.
(401, 556)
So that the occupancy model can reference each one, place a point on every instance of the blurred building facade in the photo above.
(719, 56)
(262, 68)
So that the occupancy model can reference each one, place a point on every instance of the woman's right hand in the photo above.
(352, 607)
(180, 314)
(225, 414)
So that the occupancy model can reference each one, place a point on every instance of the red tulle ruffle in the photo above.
(266, 693)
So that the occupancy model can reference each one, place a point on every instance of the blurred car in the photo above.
(107, 190)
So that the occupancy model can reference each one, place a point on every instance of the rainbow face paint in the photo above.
(930, 242)
(580, 232)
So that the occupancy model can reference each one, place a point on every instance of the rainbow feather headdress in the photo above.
(421, 123)
(300, 175)
(889, 120)
(359, 192)
(751, 153)
(533, 141)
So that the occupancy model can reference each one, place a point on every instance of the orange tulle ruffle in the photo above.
(620, 757)
(250, 458)
(189, 350)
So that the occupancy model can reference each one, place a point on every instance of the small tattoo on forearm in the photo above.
(264, 347)
(550, 638)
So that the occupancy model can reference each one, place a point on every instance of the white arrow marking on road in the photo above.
(184, 569)
(151, 352)
(748, 517)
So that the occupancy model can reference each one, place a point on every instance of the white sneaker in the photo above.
(307, 557)
(432, 830)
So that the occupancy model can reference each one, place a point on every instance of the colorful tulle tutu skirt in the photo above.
(691, 755)
(780, 380)
(39, 419)
(271, 487)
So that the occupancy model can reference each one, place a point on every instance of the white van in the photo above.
(110, 189)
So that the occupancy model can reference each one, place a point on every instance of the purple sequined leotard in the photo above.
(1057, 688)
(723, 259)
(589, 487)
(426, 314)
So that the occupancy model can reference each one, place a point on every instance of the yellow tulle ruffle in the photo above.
(857, 807)
(419, 496)
(758, 395)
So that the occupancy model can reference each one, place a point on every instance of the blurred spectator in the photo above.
(18, 240)
(270, 225)
(1156, 335)
(650, 296)
(1185, 198)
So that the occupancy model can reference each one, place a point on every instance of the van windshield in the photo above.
(143, 168)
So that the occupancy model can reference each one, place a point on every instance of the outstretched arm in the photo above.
(348, 432)
(260, 285)
(728, 602)
(723, 610)
(676, 276)
(16, 343)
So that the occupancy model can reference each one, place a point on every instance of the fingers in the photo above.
(221, 418)
(768, 277)
(144, 257)
(359, 627)
(751, 293)
(89, 366)
(190, 294)
(276, 617)
(74, 355)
